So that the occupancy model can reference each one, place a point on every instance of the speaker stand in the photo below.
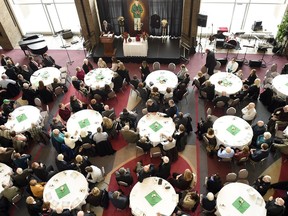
(200, 47)
(264, 64)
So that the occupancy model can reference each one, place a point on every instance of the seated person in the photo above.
(135, 81)
(182, 181)
(189, 200)
(94, 175)
(95, 196)
(164, 168)
(130, 136)
(117, 81)
(184, 119)
(155, 94)
(5, 81)
(145, 172)
(42, 172)
(109, 113)
(34, 206)
(214, 183)
(128, 117)
(208, 202)
(71, 140)
(279, 114)
(262, 184)
(200, 77)
(62, 165)
(8, 106)
(232, 66)
(144, 143)
(254, 89)
(118, 199)
(266, 137)
(101, 63)
(169, 143)
(249, 112)
(152, 106)
(76, 82)
(21, 177)
(179, 92)
(225, 152)
(81, 163)
(183, 71)
(243, 92)
(9, 191)
(167, 95)
(37, 188)
(29, 94)
(57, 124)
(143, 91)
(80, 73)
(223, 98)
(251, 78)
(48, 61)
(6, 155)
(275, 207)
(258, 129)
(21, 160)
(239, 154)
(172, 110)
(64, 112)
(99, 136)
(209, 89)
(210, 135)
(257, 155)
(124, 175)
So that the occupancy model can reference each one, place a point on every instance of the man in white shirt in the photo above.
(225, 152)
(94, 174)
(232, 66)
(169, 143)
(249, 112)
(70, 140)
(99, 136)
(5, 81)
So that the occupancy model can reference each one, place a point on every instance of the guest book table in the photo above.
(46, 74)
(162, 79)
(227, 82)
(232, 131)
(67, 189)
(153, 125)
(135, 48)
(99, 77)
(5, 175)
(280, 85)
(88, 120)
(238, 199)
(22, 118)
(150, 197)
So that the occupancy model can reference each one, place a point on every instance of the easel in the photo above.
(200, 47)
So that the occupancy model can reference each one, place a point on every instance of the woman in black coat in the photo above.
(34, 207)
(94, 197)
(251, 78)
(164, 168)
(182, 181)
(145, 71)
(45, 94)
(254, 90)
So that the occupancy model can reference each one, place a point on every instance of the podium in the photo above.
(107, 40)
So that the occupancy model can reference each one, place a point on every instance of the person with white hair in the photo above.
(258, 129)
(9, 191)
(69, 140)
(164, 168)
(208, 202)
(28, 93)
(145, 172)
(101, 63)
(34, 206)
(59, 211)
(130, 136)
(227, 152)
(62, 165)
(275, 207)
(249, 112)
(5, 81)
(87, 66)
(266, 137)
(254, 90)
(124, 175)
(22, 177)
(262, 184)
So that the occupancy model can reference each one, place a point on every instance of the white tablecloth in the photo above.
(140, 206)
(241, 138)
(165, 126)
(76, 184)
(22, 118)
(5, 175)
(280, 85)
(46, 74)
(228, 195)
(230, 83)
(135, 48)
(93, 117)
(99, 77)
(2, 70)
(162, 79)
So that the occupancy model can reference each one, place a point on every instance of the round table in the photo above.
(5, 175)
(232, 131)
(239, 199)
(227, 82)
(153, 125)
(149, 198)
(99, 77)
(88, 120)
(46, 74)
(22, 118)
(162, 79)
(68, 189)
(280, 85)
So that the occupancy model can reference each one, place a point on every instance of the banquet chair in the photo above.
(231, 111)
(230, 177)
(220, 104)
(196, 84)
(155, 152)
(243, 160)
(243, 176)
(135, 90)
(185, 96)
(218, 65)
(138, 148)
(172, 67)
(58, 91)
(260, 162)
(209, 112)
(38, 103)
(16, 199)
(123, 85)
(234, 103)
(112, 95)
(156, 66)
(279, 128)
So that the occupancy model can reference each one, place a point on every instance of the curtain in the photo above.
(171, 10)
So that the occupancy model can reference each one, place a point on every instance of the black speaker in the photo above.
(202, 20)
(255, 63)
(240, 62)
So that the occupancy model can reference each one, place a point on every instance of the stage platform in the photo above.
(164, 51)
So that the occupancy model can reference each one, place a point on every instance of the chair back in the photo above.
(218, 65)
(97, 97)
(16, 199)
(87, 145)
(58, 91)
(220, 104)
(122, 183)
(38, 102)
(231, 111)
(209, 111)
(243, 174)
(112, 95)
(156, 66)
(172, 67)
(235, 102)
(206, 141)
(243, 159)
(155, 152)
(197, 83)
(231, 177)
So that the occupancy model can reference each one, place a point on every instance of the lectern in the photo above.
(107, 40)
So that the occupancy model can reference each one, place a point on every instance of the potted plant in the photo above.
(282, 34)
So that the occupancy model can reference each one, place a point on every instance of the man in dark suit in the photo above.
(145, 172)
(11, 70)
(62, 165)
(259, 154)
(275, 207)
(22, 177)
(164, 168)
(210, 61)
(118, 199)
(42, 172)
(172, 110)
(48, 61)
(33, 64)
(124, 175)
(223, 98)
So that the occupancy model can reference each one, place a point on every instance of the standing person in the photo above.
(210, 61)
(145, 71)
(137, 11)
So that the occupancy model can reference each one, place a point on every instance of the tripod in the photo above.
(263, 65)
(200, 47)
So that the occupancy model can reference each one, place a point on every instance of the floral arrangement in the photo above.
(144, 35)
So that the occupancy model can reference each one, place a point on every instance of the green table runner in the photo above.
(155, 126)
(21, 117)
(233, 129)
(241, 205)
(84, 123)
(99, 77)
(225, 82)
(62, 191)
(153, 198)
(162, 79)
